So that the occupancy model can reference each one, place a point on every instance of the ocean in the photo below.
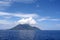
(29, 35)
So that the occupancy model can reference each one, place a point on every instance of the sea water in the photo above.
(29, 35)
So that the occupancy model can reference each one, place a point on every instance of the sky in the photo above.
(44, 14)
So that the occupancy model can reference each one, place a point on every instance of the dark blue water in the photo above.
(48, 35)
(29, 35)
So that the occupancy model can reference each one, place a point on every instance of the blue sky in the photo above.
(43, 13)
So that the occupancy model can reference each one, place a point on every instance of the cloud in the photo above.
(4, 13)
(4, 4)
(48, 19)
(24, 1)
(25, 15)
(29, 20)
(54, 19)
(20, 15)
(5, 24)
(52, 0)
(24, 18)
(32, 19)
(42, 19)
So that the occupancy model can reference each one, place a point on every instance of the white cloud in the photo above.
(42, 19)
(24, 15)
(6, 22)
(25, 18)
(24, 1)
(29, 20)
(4, 4)
(54, 19)
(52, 0)
(48, 18)
(20, 15)
(4, 13)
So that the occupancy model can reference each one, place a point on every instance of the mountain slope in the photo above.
(24, 27)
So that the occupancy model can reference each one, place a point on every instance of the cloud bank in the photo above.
(29, 20)
(27, 17)
(4, 4)
(24, 18)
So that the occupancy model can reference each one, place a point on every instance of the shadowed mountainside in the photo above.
(24, 27)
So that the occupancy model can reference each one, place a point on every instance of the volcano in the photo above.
(24, 27)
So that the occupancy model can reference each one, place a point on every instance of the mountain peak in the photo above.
(24, 27)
